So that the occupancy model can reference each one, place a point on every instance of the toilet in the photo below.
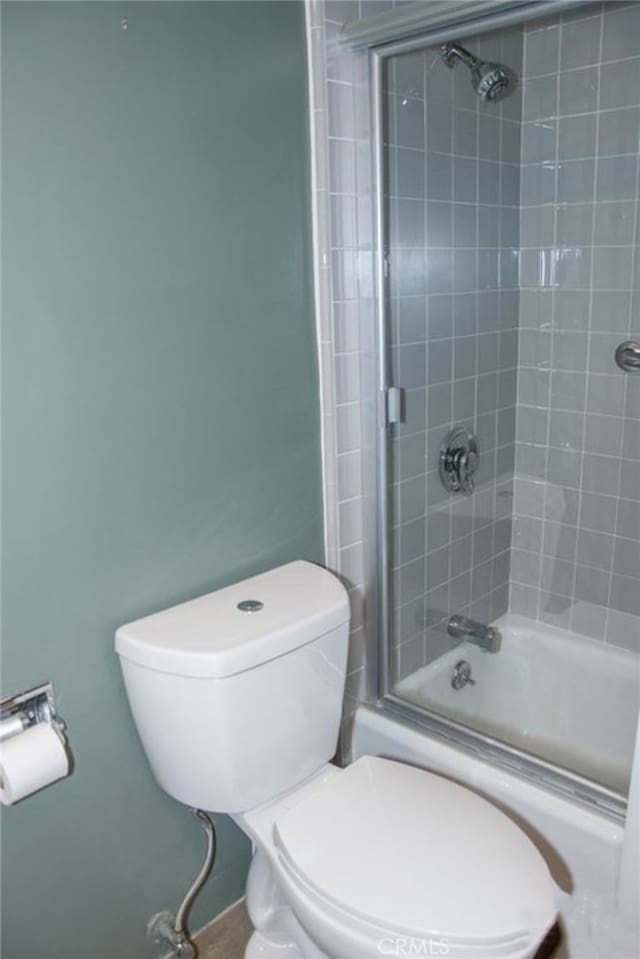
(237, 698)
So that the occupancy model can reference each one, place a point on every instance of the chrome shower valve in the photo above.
(459, 460)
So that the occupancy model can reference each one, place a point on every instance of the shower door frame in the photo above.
(494, 751)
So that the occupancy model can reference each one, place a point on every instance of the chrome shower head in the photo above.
(491, 81)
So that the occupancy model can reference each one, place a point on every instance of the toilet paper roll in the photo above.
(29, 761)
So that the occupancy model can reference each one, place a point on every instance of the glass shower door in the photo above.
(452, 202)
(512, 499)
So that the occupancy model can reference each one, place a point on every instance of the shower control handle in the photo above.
(628, 356)
(459, 459)
(463, 463)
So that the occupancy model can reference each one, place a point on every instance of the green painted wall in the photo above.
(160, 408)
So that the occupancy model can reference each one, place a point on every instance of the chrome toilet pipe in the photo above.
(163, 926)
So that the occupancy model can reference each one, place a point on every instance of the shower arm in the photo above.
(452, 50)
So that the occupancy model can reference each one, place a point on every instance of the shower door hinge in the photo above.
(393, 405)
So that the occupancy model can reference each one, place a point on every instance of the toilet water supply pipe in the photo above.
(164, 926)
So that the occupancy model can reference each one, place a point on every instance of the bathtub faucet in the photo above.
(486, 637)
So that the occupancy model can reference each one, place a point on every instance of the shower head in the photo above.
(491, 81)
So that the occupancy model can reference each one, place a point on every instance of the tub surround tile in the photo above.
(579, 277)
(344, 296)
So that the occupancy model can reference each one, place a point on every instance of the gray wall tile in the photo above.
(578, 267)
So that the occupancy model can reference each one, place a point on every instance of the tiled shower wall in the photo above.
(453, 199)
(576, 539)
(343, 247)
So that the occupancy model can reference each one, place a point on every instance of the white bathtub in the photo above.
(565, 698)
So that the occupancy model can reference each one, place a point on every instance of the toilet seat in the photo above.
(386, 850)
(345, 936)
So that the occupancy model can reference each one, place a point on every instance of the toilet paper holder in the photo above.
(37, 705)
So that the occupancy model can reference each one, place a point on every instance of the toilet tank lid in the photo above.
(214, 636)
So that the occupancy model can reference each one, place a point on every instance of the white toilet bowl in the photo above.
(237, 700)
(385, 859)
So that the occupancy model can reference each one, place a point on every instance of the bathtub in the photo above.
(569, 700)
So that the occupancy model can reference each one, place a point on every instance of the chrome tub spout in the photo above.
(486, 637)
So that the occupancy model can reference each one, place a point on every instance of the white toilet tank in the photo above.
(237, 695)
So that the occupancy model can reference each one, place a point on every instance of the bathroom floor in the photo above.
(226, 938)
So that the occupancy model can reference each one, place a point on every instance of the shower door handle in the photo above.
(628, 356)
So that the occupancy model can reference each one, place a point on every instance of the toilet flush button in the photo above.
(250, 606)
